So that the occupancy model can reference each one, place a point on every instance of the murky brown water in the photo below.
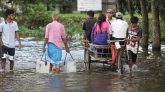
(149, 78)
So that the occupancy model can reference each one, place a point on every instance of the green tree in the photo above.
(156, 26)
(145, 26)
(130, 7)
(162, 10)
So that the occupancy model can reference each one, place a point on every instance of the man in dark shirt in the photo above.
(88, 25)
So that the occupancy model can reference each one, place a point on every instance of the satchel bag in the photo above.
(69, 65)
(42, 66)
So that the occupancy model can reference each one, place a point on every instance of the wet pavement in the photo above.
(149, 77)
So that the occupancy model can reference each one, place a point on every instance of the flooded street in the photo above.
(149, 77)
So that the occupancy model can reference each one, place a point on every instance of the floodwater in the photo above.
(149, 77)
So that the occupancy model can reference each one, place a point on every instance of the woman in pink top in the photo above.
(54, 36)
(100, 31)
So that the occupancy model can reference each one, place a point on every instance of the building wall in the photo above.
(107, 4)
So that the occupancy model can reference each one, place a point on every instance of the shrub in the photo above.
(34, 23)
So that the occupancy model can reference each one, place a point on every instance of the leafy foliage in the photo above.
(72, 23)
(161, 3)
(34, 16)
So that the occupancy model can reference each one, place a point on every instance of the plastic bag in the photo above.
(42, 66)
(69, 65)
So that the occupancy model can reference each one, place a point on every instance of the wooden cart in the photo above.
(103, 54)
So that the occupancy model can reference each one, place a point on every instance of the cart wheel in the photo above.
(87, 59)
(120, 62)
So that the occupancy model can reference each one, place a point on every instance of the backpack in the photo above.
(100, 38)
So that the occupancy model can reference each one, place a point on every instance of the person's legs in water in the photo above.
(134, 66)
(51, 67)
(11, 52)
(130, 64)
(3, 64)
(11, 59)
(130, 55)
(57, 69)
(11, 65)
(4, 55)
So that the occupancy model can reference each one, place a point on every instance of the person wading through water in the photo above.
(54, 36)
(8, 33)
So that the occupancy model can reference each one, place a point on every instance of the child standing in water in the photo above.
(8, 32)
(133, 36)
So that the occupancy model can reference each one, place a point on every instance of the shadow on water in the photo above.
(149, 77)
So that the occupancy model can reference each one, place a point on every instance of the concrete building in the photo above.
(106, 4)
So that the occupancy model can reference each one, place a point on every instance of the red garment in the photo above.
(113, 53)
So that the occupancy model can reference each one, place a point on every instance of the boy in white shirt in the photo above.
(8, 33)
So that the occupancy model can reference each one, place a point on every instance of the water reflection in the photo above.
(93, 82)
(54, 83)
(29, 81)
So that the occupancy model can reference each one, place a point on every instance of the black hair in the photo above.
(90, 13)
(9, 11)
(119, 18)
(134, 19)
(101, 19)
